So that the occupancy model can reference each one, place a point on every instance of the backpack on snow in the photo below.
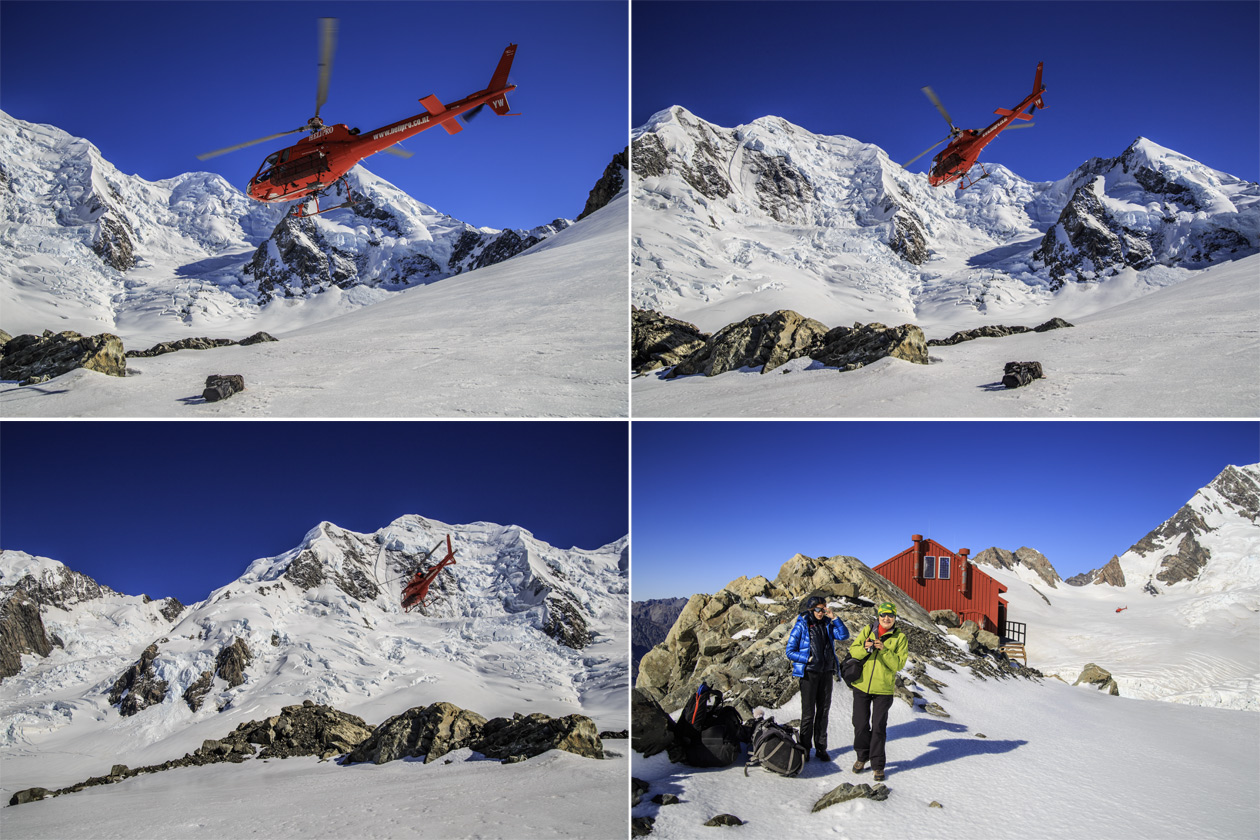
(774, 747)
(707, 734)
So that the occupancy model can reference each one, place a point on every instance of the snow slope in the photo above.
(323, 623)
(1054, 761)
(544, 334)
(1189, 350)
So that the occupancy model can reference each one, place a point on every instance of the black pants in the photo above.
(870, 727)
(815, 708)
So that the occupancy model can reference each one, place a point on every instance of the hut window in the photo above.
(929, 567)
(944, 573)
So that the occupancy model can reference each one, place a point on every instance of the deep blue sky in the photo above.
(713, 500)
(181, 508)
(1183, 74)
(153, 84)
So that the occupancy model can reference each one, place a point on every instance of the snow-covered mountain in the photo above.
(731, 222)
(1211, 543)
(89, 248)
(1175, 617)
(515, 626)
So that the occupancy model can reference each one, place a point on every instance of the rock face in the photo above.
(523, 736)
(1030, 558)
(21, 631)
(658, 340)
(767, 341)
(735, 642)
(138, 687)
(31, 359)
(861, 344)
(435, 730)
(1171, 212)
(432, 732)
(564, 621)
(770, 341)
(231, 662)
(609, 184)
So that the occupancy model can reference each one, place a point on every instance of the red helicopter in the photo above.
(417, 589)
(316, 164)
(954, 161)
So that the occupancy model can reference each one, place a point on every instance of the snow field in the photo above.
(1056, 761)
(1110, 364)
(554, 795)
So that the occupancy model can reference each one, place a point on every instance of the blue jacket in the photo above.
(798, 642)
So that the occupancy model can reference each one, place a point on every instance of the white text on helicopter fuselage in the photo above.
(401, 127)
(323, 132)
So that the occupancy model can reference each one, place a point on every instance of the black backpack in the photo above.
(707, 734)
(774, 747)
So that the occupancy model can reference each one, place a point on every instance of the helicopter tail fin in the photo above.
(1038, 87)
(435, 108)
(500, 78)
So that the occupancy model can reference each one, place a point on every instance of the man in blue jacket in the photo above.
(810, 647)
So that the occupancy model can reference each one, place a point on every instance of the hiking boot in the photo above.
(858, 765)
(821, 755)
(879, 775)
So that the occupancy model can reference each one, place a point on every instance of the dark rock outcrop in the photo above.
(21, 631)
(847, 791)
(995, 331)
(652, 729)
(430, 731)
(564, 621)
(530, 735)
(231, 662)
(138, 687)
(658, 340)
(765, 341)
(861, 344)
(201, 343)
(31, 359)
(609, 184)
(196, 693)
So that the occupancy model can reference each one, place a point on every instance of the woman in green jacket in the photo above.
(884, 647)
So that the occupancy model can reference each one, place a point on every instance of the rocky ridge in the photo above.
(734, 640)
(310, 729)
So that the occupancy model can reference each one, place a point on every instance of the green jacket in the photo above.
(879, 672)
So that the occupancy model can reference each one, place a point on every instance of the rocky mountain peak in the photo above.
(1023, 557)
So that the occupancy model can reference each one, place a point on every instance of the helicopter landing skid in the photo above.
(303, 208)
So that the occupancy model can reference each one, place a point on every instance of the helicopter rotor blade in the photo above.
(224, 151)
(1019, 125)
(931, 94)
(328, 45)
(398, 151)
(924, 152)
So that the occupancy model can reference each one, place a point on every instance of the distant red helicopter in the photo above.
(316, 164)
(954, 161)
(417, 589)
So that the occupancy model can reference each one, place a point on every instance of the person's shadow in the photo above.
(952, 749)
